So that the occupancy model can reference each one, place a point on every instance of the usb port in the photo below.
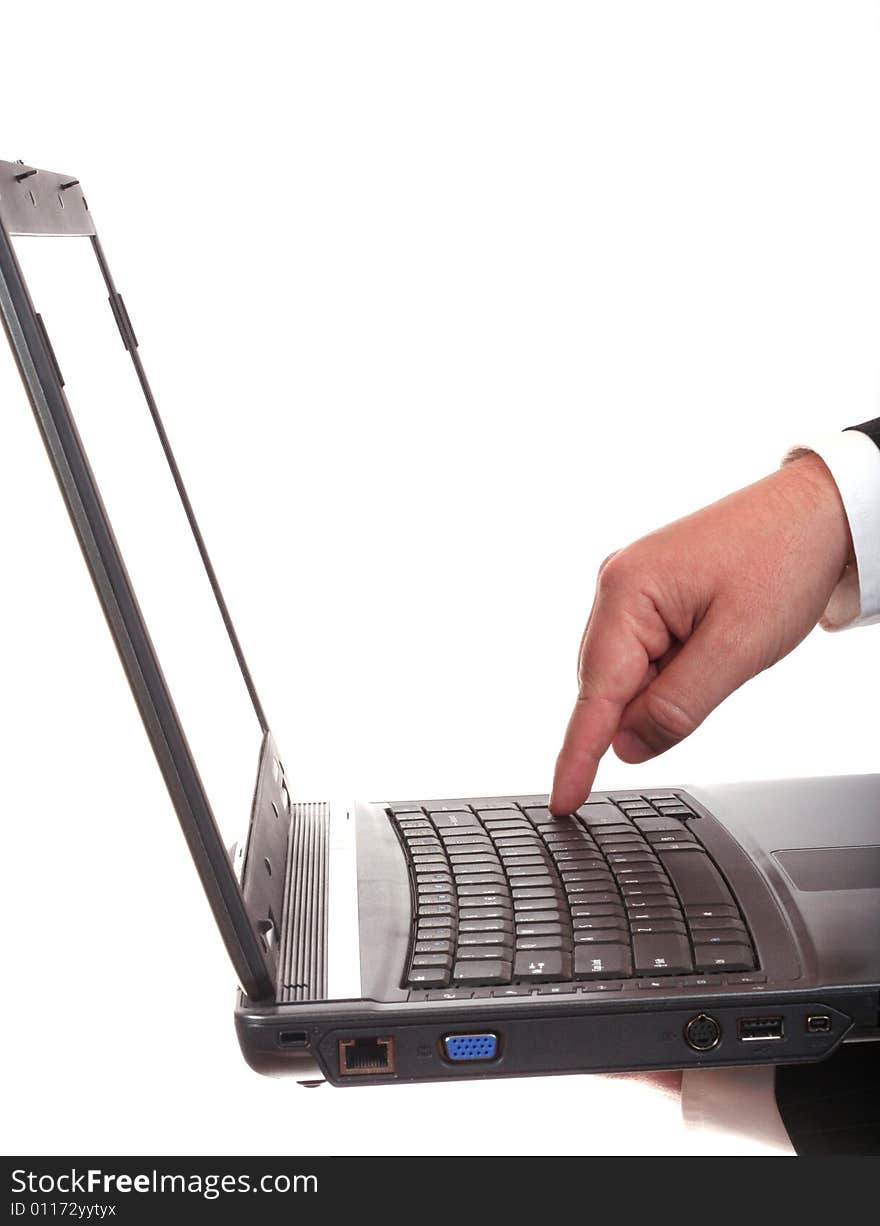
(818, 1023)
(758, 1029)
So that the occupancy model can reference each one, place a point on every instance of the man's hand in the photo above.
(684, 616)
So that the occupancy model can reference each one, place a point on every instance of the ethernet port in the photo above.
(366, 1057)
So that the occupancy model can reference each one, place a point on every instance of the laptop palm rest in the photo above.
(832, 868)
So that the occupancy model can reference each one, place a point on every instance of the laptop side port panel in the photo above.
(511, 1041)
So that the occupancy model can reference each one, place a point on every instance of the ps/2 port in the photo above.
(702, 1033)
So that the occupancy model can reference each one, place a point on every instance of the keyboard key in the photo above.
(434, 946)
(479, 891)
(544, 891)
(444, 880)
(667, 953)
(698, 923)
(655, 889)
(676, 810)
(600, 875)
(536, 881)
(540, 816)
(540, 930)
(480, 953)
(432, 923)
(602, 985)
(538, 966)
(654, 985)
(558, 942)
(601, 936)
(426, 976)
(723, 957)
(587, 903)
(647, 877)
(600, 815)
(497, 923)
(636, 858)
(639, 914)
(577, 889)
(659, 825)
(450, 994)
(523, 866)
(557, 989)
(455, 821)
(496, 880)
(490, 971)
(501, 911)
(614, 840)
(572, 834)
(720, 911)
(525, 915)
(670, 838)
(614, 919)
(754, 977)
(472, 901)
(579, 856)
(460, 871)
(694, 876)
(435, 908)
(602, 962)
(496, 937)
(422, 961)
(483, 866)
(722, 936)
(513, 990)
(430, 864)
(646, 928)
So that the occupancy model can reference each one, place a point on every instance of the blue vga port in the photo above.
(470, 1047)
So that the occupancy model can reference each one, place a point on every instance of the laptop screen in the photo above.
(149, 521)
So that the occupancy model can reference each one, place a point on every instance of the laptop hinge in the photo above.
(264, 868)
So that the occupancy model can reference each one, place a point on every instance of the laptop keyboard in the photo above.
(513, 897)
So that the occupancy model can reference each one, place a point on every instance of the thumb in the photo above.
(716, 660)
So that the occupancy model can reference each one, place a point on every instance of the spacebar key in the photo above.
(489, 972)
(695, 877)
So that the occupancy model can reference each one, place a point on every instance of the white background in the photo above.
(442, 304)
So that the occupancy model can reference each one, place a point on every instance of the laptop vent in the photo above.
(302, 968)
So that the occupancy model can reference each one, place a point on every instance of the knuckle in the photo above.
(617, 571)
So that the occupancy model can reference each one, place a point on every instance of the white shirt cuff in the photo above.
(853, 460)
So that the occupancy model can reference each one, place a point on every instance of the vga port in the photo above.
(470, 1047)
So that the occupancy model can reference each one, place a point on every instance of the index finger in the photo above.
(615, 665)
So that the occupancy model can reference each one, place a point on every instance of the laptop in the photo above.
(425, 939)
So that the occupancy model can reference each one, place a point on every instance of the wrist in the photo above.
(821, 501)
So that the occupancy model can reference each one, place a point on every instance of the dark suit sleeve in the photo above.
(871, 428)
